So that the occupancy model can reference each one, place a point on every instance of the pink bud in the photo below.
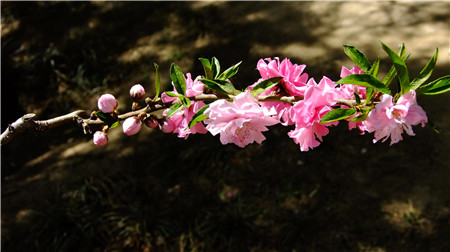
(131, 125)
(151, 122)
(107, 103)
(137, 92)
(167, 126)
(100, 138)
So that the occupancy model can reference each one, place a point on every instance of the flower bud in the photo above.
(131, 125)
(167, 126)
(100, 138)
(137, 92)
(151, 122)
(107, 103)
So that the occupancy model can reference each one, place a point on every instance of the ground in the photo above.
(157, 192)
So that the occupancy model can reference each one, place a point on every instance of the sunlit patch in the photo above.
(404, 215)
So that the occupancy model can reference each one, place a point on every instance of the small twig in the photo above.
(27, 122)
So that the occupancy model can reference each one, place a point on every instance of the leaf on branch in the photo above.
(438, 86)
(265, 85)
(178, 79)
(392, 73)
(425, 73)
(114, 125)
(198, 117)
(207, 67)
(230, 72)
(221, 86)
(215, 67)
(106, 118)
(174, 109)
(400, 68)
(358, 57)
(365, 80)
(337, 114)
(157, 81)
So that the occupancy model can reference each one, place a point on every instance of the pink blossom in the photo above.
(389, 119)
(178, 123)
(241, 121)
(193, 88)
(294, 80)
(137, 92)
(107, 103)
(294, 83)
(307, 113)
(131, 125)
(100, 138)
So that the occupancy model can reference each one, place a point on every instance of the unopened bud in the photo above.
(151, 122)
(137, 92)
(167, 126)
(107, 103)
(131, 125)
(100, 138)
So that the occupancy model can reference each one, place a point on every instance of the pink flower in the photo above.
(241, 121)
(137, 92)
(178, 123)
(389, 119)
(131, 125)
(193, 88)
(107, 103)
(307, 113)
(100, 138)
(294, 83)
(294, 80)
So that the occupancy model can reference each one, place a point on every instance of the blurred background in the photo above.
(156, 192)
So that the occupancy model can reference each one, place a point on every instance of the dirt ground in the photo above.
(156, 192)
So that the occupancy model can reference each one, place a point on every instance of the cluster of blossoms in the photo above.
(240, 117)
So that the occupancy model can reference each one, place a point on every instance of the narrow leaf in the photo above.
(207, 67)
(171, 94)
(223, 87)
(365, 80)
(174, 109)
(392, 73)
(185, 101)
(178, 79)
(337, 114)
(374, 69)
(265, 85)
(438, 86)
(157, 81)
(215, 67)
(425, 73)
(400, 68)
(230, 72)
(358, 57)
(198, 117)
(106, 118)
(114, 125)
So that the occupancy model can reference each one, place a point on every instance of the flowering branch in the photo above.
(284, 94)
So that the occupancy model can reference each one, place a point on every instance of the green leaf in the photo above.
(185, 101)
(438, 86)
(171, 94)
(207, 67)
(157, 81)
(265, 85)
(230, 72)
(338, 114)
(392, 73)
(221, 86)
(215, 67)
(106, 118)
(174, 109)
(425, 73)
(400, 68)
(178, 79)
(374, 69)
(369, 94)
(358, 57)
(198, 117)
(114, 125)
(365, 80)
